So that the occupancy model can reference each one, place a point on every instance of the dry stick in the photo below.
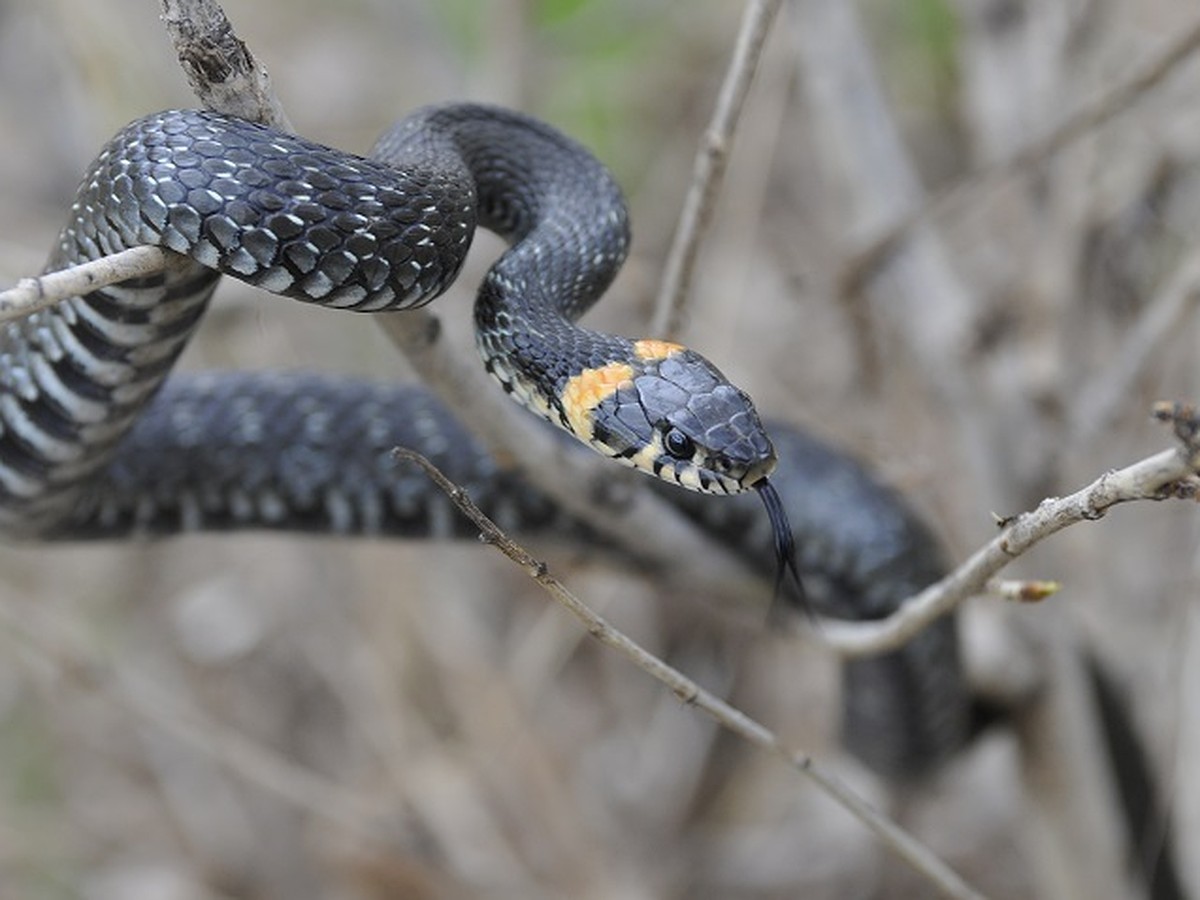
(1166, 474)
(709, 168)
(1083, 121)
(690, 693)
(219, 66)
(31, 294)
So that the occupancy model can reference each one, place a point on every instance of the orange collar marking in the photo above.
(588, 389)
(651, 349)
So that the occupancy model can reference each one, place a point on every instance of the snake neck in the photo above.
(535, 354)
(568, 233)
(564, 217)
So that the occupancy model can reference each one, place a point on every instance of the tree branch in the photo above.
(220, 68)
(895, 838)
(31, 294)
(1171, 473)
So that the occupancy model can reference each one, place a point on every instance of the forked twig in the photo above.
(899, 841)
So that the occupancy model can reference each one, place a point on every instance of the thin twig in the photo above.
(1166, 474)
(709, 167)
(690, 693)
(1083, 121)
(31, 294)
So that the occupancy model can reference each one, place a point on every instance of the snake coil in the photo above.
(96, 442)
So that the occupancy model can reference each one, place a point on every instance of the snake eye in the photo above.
(679, 445)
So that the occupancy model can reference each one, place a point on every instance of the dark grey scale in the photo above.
(319, 448)
(272, 209)
(619, 420)
(558, 232)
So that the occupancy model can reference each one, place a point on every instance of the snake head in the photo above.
(671, 413)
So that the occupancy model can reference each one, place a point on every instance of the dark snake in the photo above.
(96, 442)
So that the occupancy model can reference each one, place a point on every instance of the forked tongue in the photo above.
(785, 547)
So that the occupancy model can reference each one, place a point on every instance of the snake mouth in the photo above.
(756, 476)
(785, 546)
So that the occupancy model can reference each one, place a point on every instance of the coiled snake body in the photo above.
(305, 453)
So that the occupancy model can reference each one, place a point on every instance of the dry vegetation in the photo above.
(254, 716)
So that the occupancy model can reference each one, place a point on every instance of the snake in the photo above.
(100, 440)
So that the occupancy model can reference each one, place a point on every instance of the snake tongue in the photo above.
(785, 548)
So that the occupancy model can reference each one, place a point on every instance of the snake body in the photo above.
(93, 444)
(380, 234)
(305, 452)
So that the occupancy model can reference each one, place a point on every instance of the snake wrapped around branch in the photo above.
(96, 441)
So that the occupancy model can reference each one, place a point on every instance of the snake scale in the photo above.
(96, 442)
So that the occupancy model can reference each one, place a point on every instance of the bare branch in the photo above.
(31, 294)
(900, 842)
(709, 168)
(1166, 474)
(220, 68)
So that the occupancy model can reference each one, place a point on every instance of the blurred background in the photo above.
(269, 716)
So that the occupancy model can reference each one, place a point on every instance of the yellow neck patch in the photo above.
(589, 389)
(651, 349)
